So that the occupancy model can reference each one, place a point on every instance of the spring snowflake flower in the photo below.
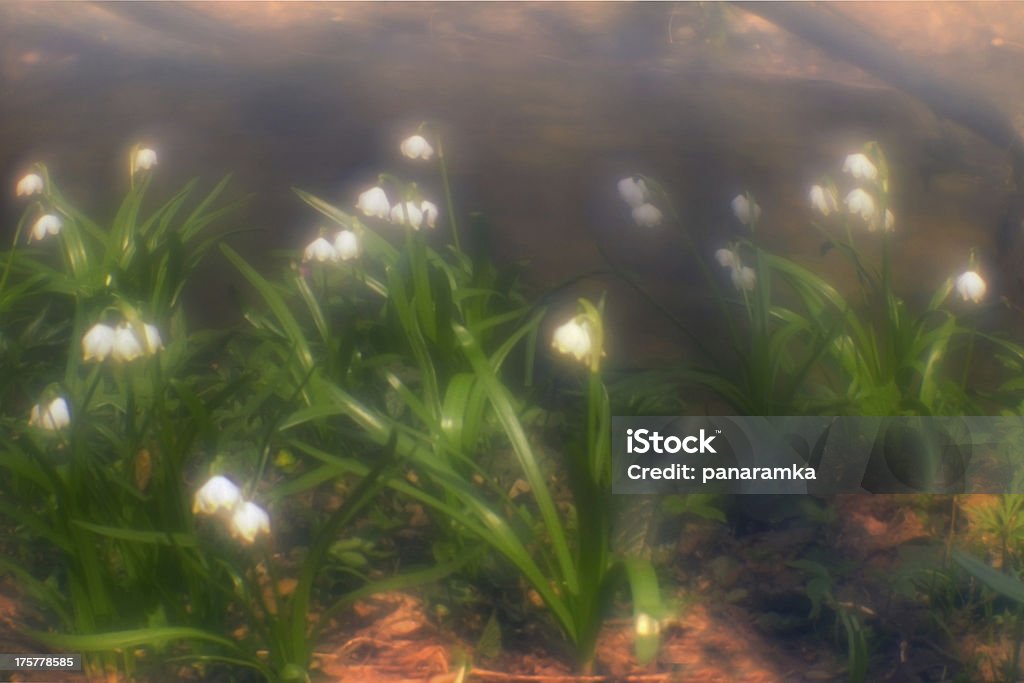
(646, 625)
(47, 224)
(126, 345)
(407, 214)
(726, 258)
(346, 245)
(320, 250)
(217, 494)
(646, 215)
(744, 278)
(823, 201)
(98, 343)
(573, 339)
(890, 222)
(971, 286)
(862, 204)
(145, 159)
(249, 521)
(633, 191)
(417, 147)
(50, 417)
(29, 185)
(374, 202)
(860, 167)
(746, 210)
(429, 210)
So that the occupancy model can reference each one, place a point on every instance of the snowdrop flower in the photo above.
(646, 625)
(320, 250)
(417, 147)
(633, 191)
(29, 185)
(726, 258)
(145, 159)
(860, 167)
(744, 278)
(374, 202)
(218, 493)
(746, 210)
(646, 215)
(429, 210)
(50, 417)
(98, 343)
(152, 340)
(971, 287)
(248, 521)
(573, 339)
(862, 204)
(823, 201)
(46, 225)
(407, 214)
(346, 245)
(126, 345)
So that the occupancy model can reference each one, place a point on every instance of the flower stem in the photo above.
(448, 195)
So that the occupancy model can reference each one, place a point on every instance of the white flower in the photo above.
(726, 258)
(890, 222)
(98, 342)
(50, 417)
(417, 147)
(746, 210)
(633, 191)
(218, 493)
(320, 250)
(823, 201)
(971, 287)
(29, 185)
(249, 521)
(646, 215)
(152, 341)
(346, 245)
(573, 339)
(145, 159)
(862, 204)
(407, 214)
(429, 210)
(47, 224)
(744, 278)
(374, 202)
(126, 345)
(646, 625)
(860, 167)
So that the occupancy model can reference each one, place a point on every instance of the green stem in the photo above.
(448, 195)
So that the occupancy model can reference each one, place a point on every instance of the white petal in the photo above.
(971, 286)
(249, 521)
(823, 201)
(346, 245)
(217, 494)
(28, 185)
(860, 167)
(862, 204)
(417, 147)
(647, 215)
(153, 341)
(744, 278)
(47, 224)
(126, 345)
(50, 417)
(374, 202)
(726, 258)
(573, 339)
(429, 210)
(145, 159)
(407, 214)
(320, 250)
(98, 342)
(746, 211)
(633, 191)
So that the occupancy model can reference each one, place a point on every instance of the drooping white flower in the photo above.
(573, 339)
(429, 210)
(407, 214)
(374, 202)
(145, 159)
(633, 191)
(98, 343)
(646, 215)
(152, 340)
(746, 210)
(126, 345)
(52, 416)
(726, 258)
(971, 286)
(862, 204)
(417, 147)
(320, 250)
(29, 185)
(860, 167)
(47, 224)
(646, 625)
(823, 201)
(217, 494)
(890, 222)
(744, 278)
(249, 521)
(346, 245)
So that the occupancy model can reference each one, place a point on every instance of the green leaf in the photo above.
(488, 646)
(1001, 583)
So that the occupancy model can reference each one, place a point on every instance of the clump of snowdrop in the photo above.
(746, 209)
(374, 203)
(220, 497)
(744, 278)
(823, 200)
(29, 185)
(346, 245)
(47, 224)
(122, 344)
(321, 251)
(52, 416)
(971, 286)
(860, 167)
(417, 147)
(144, 159)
